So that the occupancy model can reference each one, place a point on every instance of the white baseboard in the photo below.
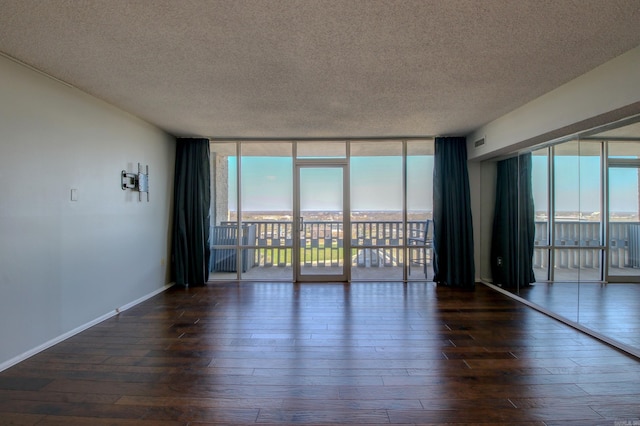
(62, 337)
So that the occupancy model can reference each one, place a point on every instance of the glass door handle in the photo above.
(301, 224)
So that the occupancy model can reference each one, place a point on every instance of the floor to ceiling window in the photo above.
(419, 208)
(330, 209)
(262, 180)
(376, 209)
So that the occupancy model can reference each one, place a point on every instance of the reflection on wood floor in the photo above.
(365, 353)
(609, 309)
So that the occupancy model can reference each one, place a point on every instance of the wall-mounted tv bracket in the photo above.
(137, 182)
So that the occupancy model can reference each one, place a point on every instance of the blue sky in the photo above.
(376, 184)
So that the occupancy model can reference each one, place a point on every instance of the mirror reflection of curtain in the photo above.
(452, 223)
(191, 212)
(513, 237)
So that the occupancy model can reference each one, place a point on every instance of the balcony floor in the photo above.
(358, 273)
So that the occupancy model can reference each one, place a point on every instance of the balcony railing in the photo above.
(373, 243)
(380, 243)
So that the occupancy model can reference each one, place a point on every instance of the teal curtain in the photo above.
(191, 220)
(452, 222)
(513, 235)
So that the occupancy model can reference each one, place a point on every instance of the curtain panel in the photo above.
(453, 227)
(191, 217)
(513, 236)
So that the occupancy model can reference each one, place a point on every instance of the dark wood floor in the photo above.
(368, 353)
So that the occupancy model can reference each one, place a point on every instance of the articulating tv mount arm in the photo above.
(137, 182)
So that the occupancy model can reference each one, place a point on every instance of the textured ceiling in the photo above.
(316, 68)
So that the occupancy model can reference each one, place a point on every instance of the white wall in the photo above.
(486, 207)
(66, 263)
(475, 186)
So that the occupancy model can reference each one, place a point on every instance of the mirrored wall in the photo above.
(575, 207)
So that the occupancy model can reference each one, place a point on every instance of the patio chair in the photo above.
(224, 259)
(420, 247)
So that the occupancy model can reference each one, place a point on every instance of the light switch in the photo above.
(74, 194)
